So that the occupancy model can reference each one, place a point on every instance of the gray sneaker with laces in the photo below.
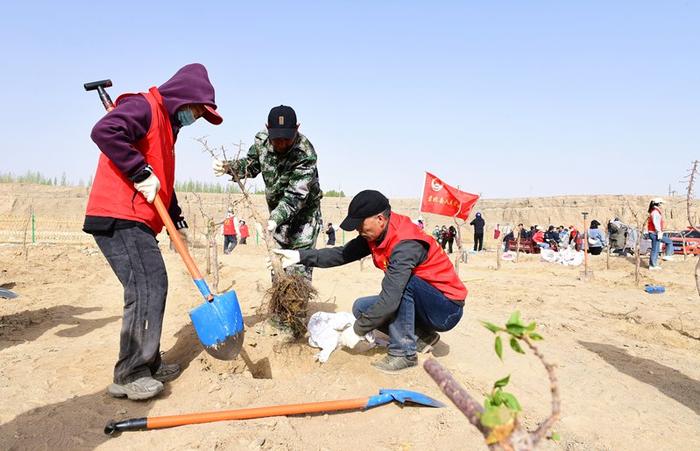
(167, 372)
(141, 388)
(392, 364)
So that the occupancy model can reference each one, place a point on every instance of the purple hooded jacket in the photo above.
(117, 132)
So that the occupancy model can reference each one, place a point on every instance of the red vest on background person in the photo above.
(436, 269)
(113, 195)
(229, 227)
(650, 222)
(244, 231)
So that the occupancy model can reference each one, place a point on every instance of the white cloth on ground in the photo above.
(325, 329)
(566, 257)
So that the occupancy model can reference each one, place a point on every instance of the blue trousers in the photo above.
(656, 247)
(423, 309)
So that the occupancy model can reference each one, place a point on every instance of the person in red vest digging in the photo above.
(137, 162)
(421, 292)
(230, 240)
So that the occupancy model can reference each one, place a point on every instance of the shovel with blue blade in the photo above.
(218, 322)
(385, 396)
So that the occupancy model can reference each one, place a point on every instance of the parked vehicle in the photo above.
(692, 241)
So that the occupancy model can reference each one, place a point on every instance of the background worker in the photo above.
(421, 292)
(656, 225)
(245, 233)
(478, 223)
(137, 142)
(287, 161)
(230, 240)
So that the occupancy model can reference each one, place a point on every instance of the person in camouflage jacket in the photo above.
(287, 161)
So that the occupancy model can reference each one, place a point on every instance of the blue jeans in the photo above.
(423, 308)
(656, 245)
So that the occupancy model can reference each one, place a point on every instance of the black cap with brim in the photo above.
(349, 224)
(365, 204)
(283, 133)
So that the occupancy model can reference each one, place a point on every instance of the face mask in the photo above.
(185, 117)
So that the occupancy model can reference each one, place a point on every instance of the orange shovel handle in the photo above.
(256, 412)
(176, 239)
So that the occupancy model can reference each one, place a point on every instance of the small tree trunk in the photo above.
(638, 259)
(697, 276)
(685, 254)
(214, 258)
(499, 248)
(209, 246)
(460, 249)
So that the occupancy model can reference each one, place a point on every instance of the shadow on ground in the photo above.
(29, 325)
(78, 423)
(667, 380)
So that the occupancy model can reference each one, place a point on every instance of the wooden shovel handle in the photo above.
(176, 239)
(256, 412)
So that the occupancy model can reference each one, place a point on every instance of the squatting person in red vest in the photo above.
(230, 240)
(138, 156)
(421, 292)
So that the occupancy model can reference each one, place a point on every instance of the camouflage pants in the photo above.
(300, 233)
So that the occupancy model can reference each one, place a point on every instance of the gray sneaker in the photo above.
(392, 364)
(141, 388)
(167, 372)
(426, 343)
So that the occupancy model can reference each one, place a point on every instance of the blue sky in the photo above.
(505, 98)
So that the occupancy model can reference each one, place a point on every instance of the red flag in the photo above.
(443, 199)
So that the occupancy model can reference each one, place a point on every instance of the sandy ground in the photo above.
(629, 376)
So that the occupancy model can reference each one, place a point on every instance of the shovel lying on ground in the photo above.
(7, 294)
(218, 322)
(385, 396)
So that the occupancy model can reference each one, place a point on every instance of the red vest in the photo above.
(113, 195)
(244, 231)
(229, 228)
(650, 221)
(436, 269)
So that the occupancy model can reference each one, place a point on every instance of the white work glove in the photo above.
(219, 167)
(289, 257)
(659, 234)
(349, 338)
(271, 226)
(149, 187)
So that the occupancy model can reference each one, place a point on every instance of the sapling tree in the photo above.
(290, 294)
(690, 195)
(498, 418)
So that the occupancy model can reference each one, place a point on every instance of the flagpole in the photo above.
(420, 202)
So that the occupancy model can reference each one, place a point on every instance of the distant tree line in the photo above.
(195, 186)
(38, 178)
(334, 193)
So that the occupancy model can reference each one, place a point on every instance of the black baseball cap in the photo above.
(281, 122)
(365, 204)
